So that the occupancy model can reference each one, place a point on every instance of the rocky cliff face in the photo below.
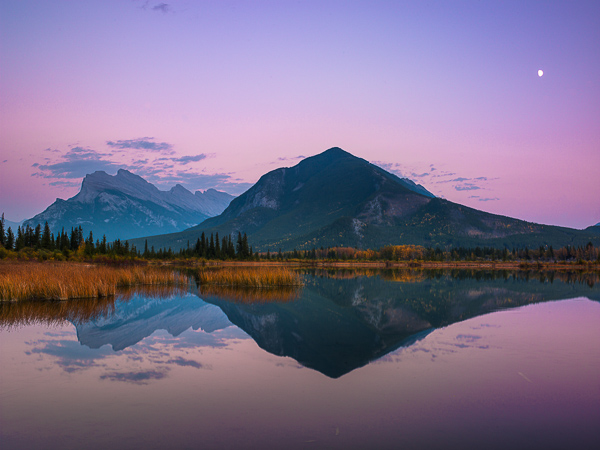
(126, 206)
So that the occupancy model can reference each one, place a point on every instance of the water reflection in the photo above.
(345, 319)
(21, 313)
(280, 294)
(172, 371)
(339, 321)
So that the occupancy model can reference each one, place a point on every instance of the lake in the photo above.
(355, 359)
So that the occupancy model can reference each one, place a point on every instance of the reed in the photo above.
(257, 277)
(250, 295)
(34, 312)
(63, 281)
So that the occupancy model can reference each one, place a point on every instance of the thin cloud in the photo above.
(145, 143)
(135, 377)
(466, 187)
(290, 158)
(179, 361)
(188, 159)
(68, 355)
(394, 168)
(76, 163)
(66, 184)
(455, 180)
(159, 7)
(164, 170)
(162, 7)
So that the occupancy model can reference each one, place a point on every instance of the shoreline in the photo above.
(487, 265)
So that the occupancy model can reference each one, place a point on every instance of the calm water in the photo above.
(397, 360)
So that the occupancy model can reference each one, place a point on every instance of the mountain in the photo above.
(12, 225)
(126, 206)
(594, 229)
(337, 199)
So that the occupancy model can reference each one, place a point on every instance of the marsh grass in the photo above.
(241, 294)
(34, 312)
(255, 277)
(64, 281)
(398, 275)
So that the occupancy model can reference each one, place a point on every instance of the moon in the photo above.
(540, 73)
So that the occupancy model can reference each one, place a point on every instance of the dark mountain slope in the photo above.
(336, 199)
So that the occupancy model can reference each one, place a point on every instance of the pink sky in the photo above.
(214, 94)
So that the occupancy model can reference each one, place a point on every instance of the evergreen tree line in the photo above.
(209, 248)
(44, 239)
(64, 242)
(416, 252)
(214, 247)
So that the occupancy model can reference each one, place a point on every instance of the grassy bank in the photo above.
(256, 277)
(63, 281)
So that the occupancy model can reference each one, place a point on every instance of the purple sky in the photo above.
(214, 94)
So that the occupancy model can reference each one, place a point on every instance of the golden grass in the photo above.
(257, 277)
(63, 281)
(241, 294)
(53, 313)
(32, 312)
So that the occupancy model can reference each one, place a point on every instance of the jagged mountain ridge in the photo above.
(127, 206)
(133, 320)
(336, 199)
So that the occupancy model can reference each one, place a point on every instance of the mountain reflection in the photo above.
(345, 319)
(339, 321)
(280, 294)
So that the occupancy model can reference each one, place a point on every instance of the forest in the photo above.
(42, 243)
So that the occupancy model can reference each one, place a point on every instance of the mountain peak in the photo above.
(123, 172)
(180, 190)
(334, 153)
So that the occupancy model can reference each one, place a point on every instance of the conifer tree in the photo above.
(225, 248)
(89, 245)
(2, 235)
(37, 236)
(211, 247)
(239, 246)
(10, 239)
(245, 249)
(103, 247)
(46, 238)
(20, 241)
(203, 245)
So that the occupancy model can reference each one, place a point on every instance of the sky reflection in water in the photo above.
(175, 372)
